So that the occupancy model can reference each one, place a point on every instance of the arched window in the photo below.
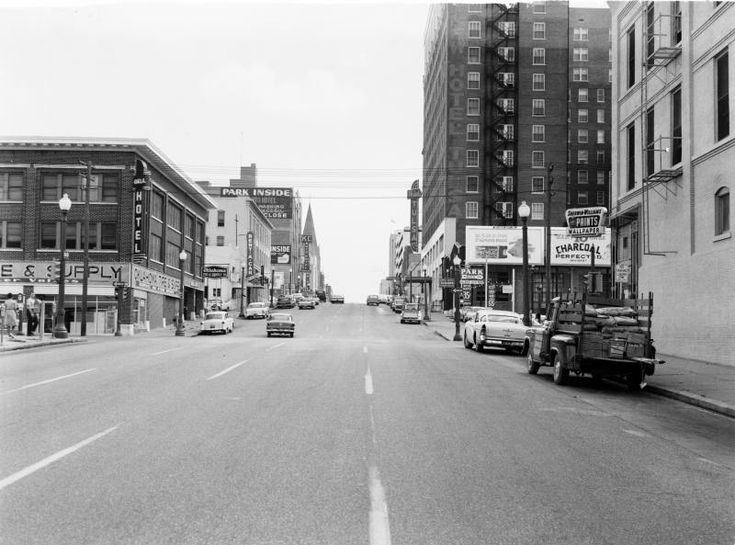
(722, 211)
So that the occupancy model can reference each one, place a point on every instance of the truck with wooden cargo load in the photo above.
(598, 336)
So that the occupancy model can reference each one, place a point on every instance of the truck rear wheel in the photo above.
(561, 373)
(531, 366)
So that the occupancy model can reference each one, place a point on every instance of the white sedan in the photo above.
(256, 310)
(490, 328)
(217, 321)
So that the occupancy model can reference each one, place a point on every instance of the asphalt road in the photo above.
(359, 430)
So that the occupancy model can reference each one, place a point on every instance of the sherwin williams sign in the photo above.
(274, 202)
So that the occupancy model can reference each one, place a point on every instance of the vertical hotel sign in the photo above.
(140, 184)
(250, 259)
(414, 194)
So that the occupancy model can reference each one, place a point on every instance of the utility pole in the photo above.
(85, 277)
(547, 253)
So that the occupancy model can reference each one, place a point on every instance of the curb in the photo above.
(25, 346)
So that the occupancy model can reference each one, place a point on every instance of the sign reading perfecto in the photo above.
(274, 202)
(576, 250)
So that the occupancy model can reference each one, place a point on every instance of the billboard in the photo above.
(281, 254)
(571, 250)
(274, 202)
(503, 245)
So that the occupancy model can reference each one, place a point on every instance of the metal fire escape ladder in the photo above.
(656, 58)
(500, 188)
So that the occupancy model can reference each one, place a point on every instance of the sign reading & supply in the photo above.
(586, 222)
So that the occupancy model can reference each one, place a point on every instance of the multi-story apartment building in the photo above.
(143, 212)
(514, 94)
(674, 151)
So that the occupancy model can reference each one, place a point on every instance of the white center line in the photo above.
(227, 370)
(7, 481)
(274, 347)
(49, 381)
(368, 382)
(379, 525)
(169, 350)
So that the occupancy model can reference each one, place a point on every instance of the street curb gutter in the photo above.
(694, 399)
(41, 344)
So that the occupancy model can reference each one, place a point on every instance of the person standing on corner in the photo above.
(11, 318)
(32, 312)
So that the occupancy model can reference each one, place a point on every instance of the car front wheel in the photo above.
(561, 373)
(532, 366)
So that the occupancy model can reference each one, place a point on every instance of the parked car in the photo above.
(321, 295)
(217, 321)
(411, 313)
(307, 303)
(373, 300)
(496, 329)
(284, 301)
(338, 299)
(468, 313)
(397, 304)
(280, 323)
(256, 310)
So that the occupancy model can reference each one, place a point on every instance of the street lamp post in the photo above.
(60, 331)
(523, 212)
(457, 260)
(180, 332)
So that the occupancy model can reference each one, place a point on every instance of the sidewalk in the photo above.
(707, 385)
(21, 342)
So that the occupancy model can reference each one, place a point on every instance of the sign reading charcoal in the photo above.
(214, 271)
(274, 202)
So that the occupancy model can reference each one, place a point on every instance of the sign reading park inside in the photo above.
(586, 222)
(274, 202)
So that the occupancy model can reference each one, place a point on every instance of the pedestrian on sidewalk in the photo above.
(11, 316)
(33, 310)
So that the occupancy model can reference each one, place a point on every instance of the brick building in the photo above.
(138, 226)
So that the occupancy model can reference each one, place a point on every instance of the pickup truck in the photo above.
(597, 336)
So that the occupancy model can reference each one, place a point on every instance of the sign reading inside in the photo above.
(281, 254)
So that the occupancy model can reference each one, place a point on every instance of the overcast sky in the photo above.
(325, 98)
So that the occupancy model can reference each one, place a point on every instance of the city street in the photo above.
(359, 430)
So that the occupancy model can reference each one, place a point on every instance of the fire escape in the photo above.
(501, 120)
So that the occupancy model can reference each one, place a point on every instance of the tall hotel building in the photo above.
(674, 151)
(511, 90)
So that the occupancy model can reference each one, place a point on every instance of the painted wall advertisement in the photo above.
(44, 272)
(280, 254)
(573, 250)
(503, 245)
(274, 202)
(155, 282)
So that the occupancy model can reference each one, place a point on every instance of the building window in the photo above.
(583, 157)
(601, 177)
(581, 34)
(10, 234)
(537, 184)
(538, 133)
(722, 211)
(600, 116)
(508, 28)
(11, 187)
(473, 55)
(676, 126)
(582, 115)
(507, 79)
(508, 131)
(631, 156)
(582, 136)
(582, 94)
(473, 132)
(580, 74)
(582, 176)
(537, 159)
(157, 205)
(722, 78)
(539, 55)
(650, 151)
(600, 156)
(508, 158)
(473, 184)
(601, 198)
(676, 23)
(53, 186)
(473, 158)
(582, 197)
(631, 57)
(539, 31)
(473, 106)
(539, 82)
(507, 105)
(471, 210)
(155, 245)
(507, 53)
(473, 29)
(651, 32)
(220, 240)
(600, 136)
(580, 54)
(539, 107)
(220, 218)
(539, 7)
(473, 80)
(609, 75)
(508, 184)
(537, 210)
(601, 95)
(49, 236)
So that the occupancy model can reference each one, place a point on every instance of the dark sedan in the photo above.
(280, 323)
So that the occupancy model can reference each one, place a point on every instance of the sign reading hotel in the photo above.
(586, 222)
(138, 202)
(274, 202)
(503, 245)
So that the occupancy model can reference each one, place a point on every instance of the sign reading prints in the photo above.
(274, 202)
(586, 222)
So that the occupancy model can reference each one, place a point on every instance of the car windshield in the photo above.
(216, 315)
(411, 306)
